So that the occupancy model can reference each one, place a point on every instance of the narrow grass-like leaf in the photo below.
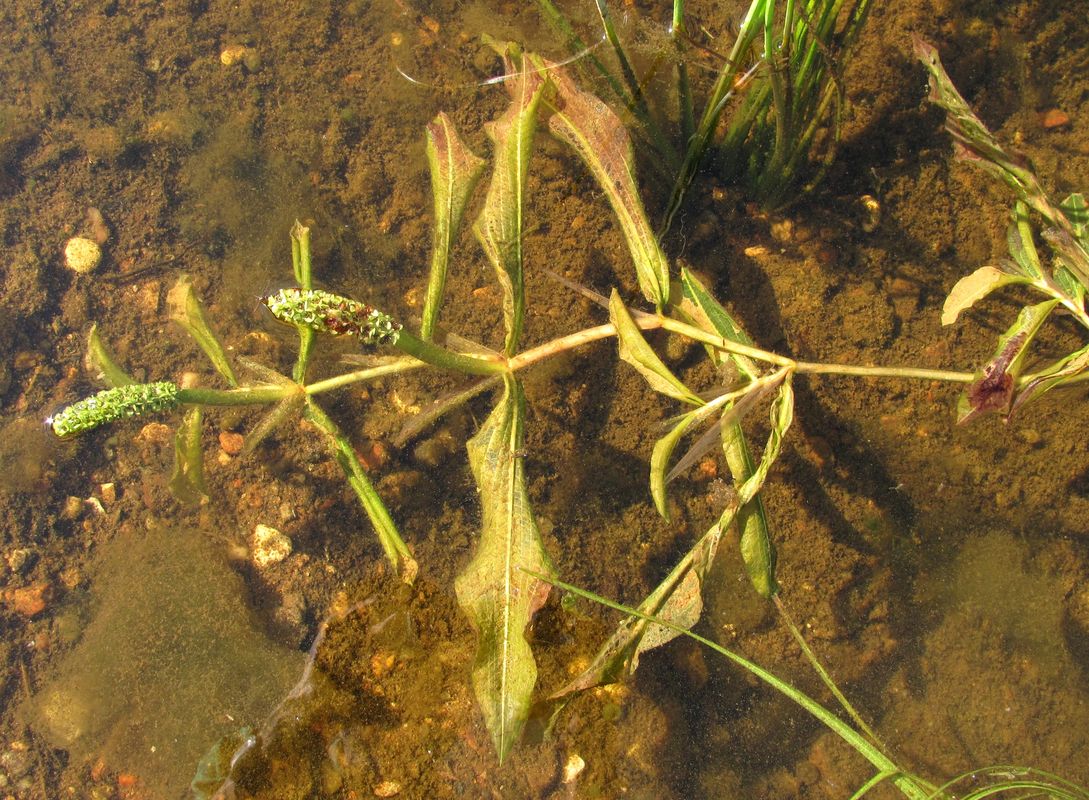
(392, 544)
(100, 359)
(594, 132)
(187, 310)
(187, 483)
(994, 389)
(455, 170)
(499, 226)
(495, 589)
(911, 786)
(971, 288)
(635, 350)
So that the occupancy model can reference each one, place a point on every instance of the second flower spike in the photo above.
(333, 314)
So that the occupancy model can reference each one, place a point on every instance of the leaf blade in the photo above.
(636, 351)
(495, 590)
(455, 171)
(498, 228)
(597, 135)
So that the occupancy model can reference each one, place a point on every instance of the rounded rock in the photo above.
(270, 546)
(82, 255)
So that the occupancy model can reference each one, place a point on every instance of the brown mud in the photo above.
(940, 572)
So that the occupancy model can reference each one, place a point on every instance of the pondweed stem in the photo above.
(243, 396)
(359, 375)
(437, 356)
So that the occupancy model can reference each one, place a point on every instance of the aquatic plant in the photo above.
(784, 60)
(510, 574)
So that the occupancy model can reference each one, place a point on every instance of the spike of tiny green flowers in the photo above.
(108, 405)
(330, 313)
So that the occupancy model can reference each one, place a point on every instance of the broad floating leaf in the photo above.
(499, 226)
(974, 287)
(635, 350)
(187, 310)
(594, 131)
(455, 170)
(495, 590)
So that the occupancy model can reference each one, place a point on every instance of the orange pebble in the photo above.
(1054, 118)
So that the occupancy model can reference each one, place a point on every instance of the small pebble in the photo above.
(387, 789)
(82, 255)
(573, 768)
(1054, 118)
(30, 601)
(231, 443)
(270, 546)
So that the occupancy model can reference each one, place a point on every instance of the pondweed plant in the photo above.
(785, 56)
(510, 574)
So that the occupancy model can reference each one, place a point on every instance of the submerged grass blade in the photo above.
(912, 787)
(455, 170)
(499, 226)
(594, 132)
(496, 589)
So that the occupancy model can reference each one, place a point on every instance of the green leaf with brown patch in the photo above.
(499, 226)
(495, 590)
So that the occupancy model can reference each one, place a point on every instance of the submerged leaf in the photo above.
(187, 310)
(659, 462)
(187, 483)
(100, 359)
(455, 170)
(499, 226)
(635, 350)
(598, 136)
(1058, 374)
(677, 599)
(495, 589)
(971, 288)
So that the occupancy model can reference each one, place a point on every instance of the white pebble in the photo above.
(82, 255)
(270, 546)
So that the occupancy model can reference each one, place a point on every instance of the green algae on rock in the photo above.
(171, 659)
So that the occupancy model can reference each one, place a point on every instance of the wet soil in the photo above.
(894, 526)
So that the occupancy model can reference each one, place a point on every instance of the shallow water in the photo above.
(938, 571)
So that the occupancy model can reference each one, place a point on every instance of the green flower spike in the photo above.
(113, 404)
(330, 313)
